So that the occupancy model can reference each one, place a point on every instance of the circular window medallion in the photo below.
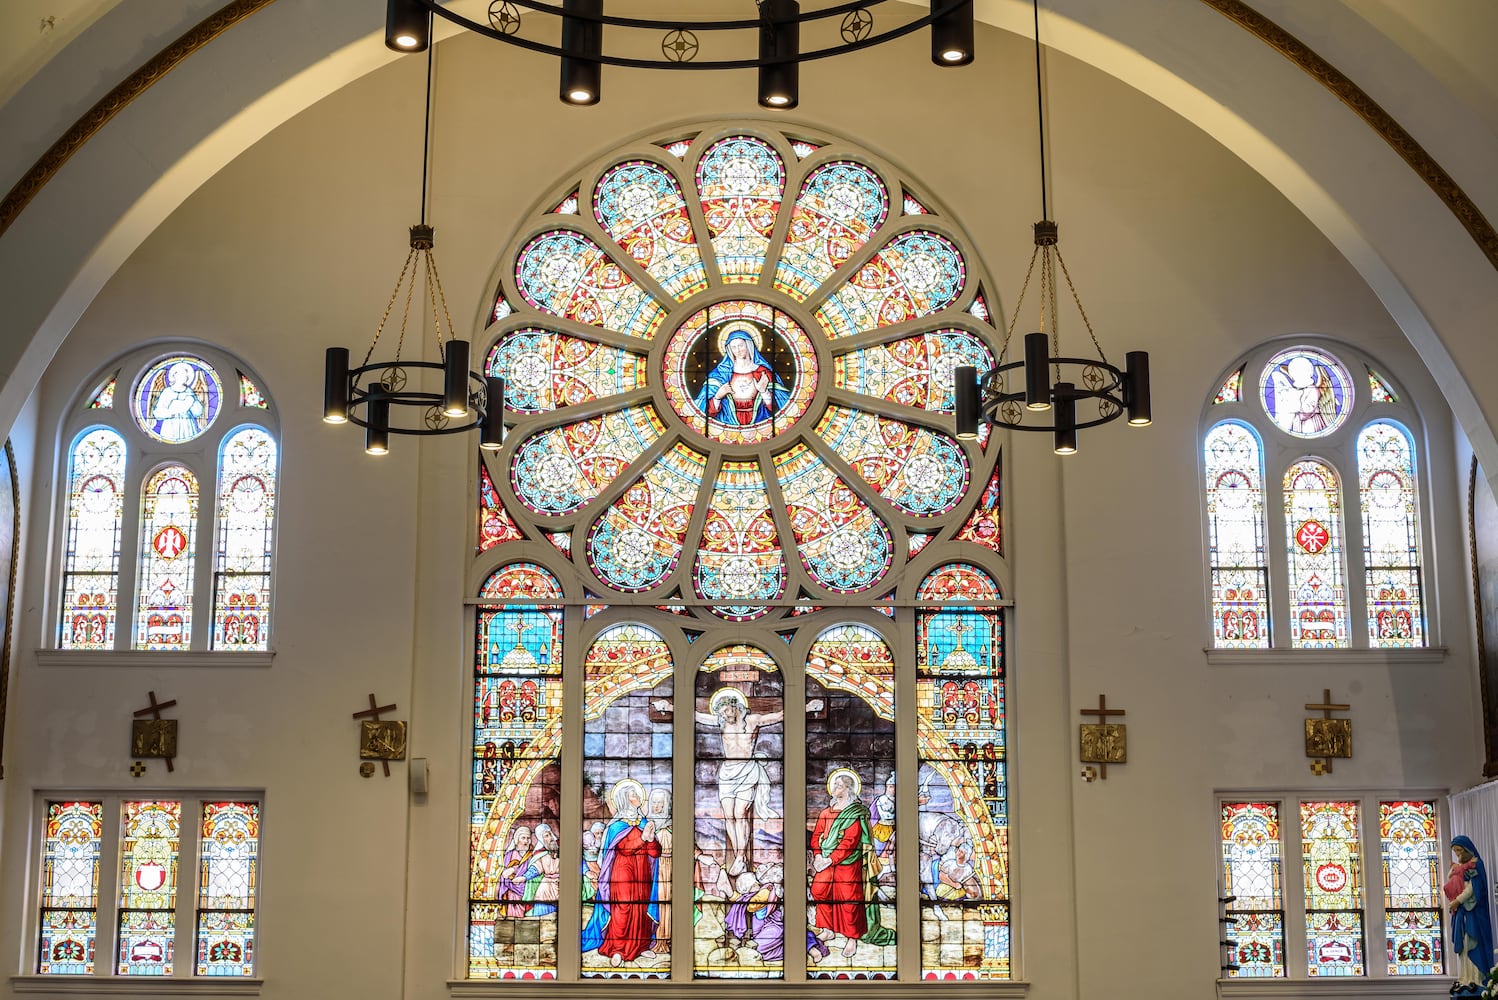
(739, 372)
(177, 398)
(1307, 393)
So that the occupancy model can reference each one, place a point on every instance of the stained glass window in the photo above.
(985, 524)
(915, 274)
(840, 206)
(1391, 535)
(168, 551)
(517, 788)
(741, 558)
(228, 885)
(1234, 460)
(1313, 526)
(177, 398)
(1306, 392)
(922, 472)
(150, 832)
(544, 370)
(1251, 880)
(246, 526)
(70, 888)
(741, 181)
(1331, 857)
(962, 784)
(639, 204)
(1411, 852)
(1232, 388)
(628, 711)
(1378, 387)
(91, 560)
(250, 394)
(842, 543)
(637, 542)
(566, 274)
(102, 398)
(495, 523)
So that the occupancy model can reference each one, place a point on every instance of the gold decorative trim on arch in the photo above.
(112, 103)
(1366, 108)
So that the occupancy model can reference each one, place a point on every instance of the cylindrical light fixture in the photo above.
(582, 77)
(335, 386)
(1137, 387)
(1066, 418)
(408, 26)
(965, 401)
(492, 433)
(377, 430)
(779, 38)
(455, 379)
(1037, 374)
(952, 34)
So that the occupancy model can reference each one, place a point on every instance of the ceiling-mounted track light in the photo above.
(582, 38)
(951, 33)
(408, 26)
(779, 47)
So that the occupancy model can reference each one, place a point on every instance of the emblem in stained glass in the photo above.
(1313, 522)
(567, 274)
(840, 206)
(168, 531)
(913, 371)
(246, 533)
(915, 274)
(91, 563)
(560, 470)
(739, 372)
(1378, 388)
(1251, 873)
(850, 805)
(740, 181)
(70, 888)
(228, 888)
(639, 204)
(842, 543)
(985, 524)
(177, 398)
(919, 540)
(102, 398)
(637, 541)
(567, 206)
(803, 149)
(1235, 537)
(1306, 392)
(1411, 853)
(626, 833)
(738, 926)
(1231, 390)
(740, 559)
(495, 523)
(544, 370)
(1331, 858)
(980, 309)
(677, 147)
(249, 393)
(501, 308)
(921, 472)
(1391, 535)
(149, 835)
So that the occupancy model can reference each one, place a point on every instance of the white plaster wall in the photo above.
(1177, 247)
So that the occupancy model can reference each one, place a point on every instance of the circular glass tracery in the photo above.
(177, 398)
(1306, 392)
(826, 378)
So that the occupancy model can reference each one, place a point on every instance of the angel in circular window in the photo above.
(742, 388)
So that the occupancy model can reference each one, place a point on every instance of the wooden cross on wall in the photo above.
(1102, 742)
(154, 737)
(1327, 738)
(373, 714)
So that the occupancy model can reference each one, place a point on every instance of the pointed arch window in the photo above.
(1391, 534)
(1235, 536)
(168, 530)
(246, 529)
(1313, 524)
(91, 559)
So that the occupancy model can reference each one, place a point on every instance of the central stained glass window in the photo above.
(733, 566)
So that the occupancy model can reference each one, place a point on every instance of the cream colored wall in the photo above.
(1177, 248)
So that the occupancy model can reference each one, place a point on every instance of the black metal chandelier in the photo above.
(1051, 392)
(386, 397)
(770, 41)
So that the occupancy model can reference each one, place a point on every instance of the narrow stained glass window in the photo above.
(962, 787)
(1234, 461)
(850, 805)
(741, 558)
(738, 927)
(168, 553)
(637, 542)
(1331, 857)
(228, 886)
(628, 712)
(70, 888)
(1391, 535)
(1313, 524)
(246, 529)
(149, 835)
(740, 182)
(249, 393)
(495, 523)
(91, 566)
(986, 523)
(517, 733)
(1251, 878)
(1411, 854)
(102, 398)
(842, 543)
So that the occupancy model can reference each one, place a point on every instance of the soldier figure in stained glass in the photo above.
(742, 388)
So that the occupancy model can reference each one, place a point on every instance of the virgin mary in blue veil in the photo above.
(742, 388)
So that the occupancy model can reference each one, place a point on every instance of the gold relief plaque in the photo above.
(1106, 743)
(382, 740)
(153, 738)
(1328, 737)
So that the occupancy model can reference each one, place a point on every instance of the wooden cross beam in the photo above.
(1323, 765)
(154, 711)
(1102, 712)
(373, 713)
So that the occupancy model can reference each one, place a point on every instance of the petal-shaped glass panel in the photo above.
(913, 275)
(568, 275)
(986, 523)
(741, 181)
(560, 470)
(637, 541)
(544, 370)
(739, 559)
(840, 206)
(842, 543)
(913, 371)
(921, 472)
(640, 205)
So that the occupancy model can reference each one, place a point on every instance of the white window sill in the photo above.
(1340, 986)
(1324, 658)
(137, 986)
(112, 658)
(592, 989)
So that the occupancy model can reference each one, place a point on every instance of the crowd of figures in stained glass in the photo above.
(174, 403)
(1307, 395)
(721, 353)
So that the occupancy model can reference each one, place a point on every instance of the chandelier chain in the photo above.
(439, 296)
(1018, 305)
(406, 312)
(1078, 300)
(394, 292)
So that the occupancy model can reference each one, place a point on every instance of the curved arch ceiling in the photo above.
(1284, 125)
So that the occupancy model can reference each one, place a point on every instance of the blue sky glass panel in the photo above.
(91, 563)
(1391, 535)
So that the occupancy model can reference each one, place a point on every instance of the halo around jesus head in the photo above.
(727, 694)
